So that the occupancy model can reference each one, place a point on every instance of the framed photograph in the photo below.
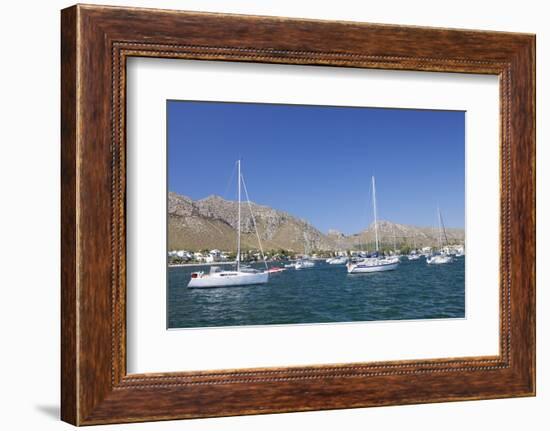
(267, 215)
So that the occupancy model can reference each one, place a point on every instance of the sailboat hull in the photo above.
(228, 279)
(358, 268)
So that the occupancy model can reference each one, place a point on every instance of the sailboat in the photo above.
(242, 275)
(305, 261)
(339, 260)
(374, 263)
(442, 257)
(413, 254)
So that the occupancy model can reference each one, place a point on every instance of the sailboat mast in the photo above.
(443, 229)
(374, 209)
(239, 215)
(439, 225)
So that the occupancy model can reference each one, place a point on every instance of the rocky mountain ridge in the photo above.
(212, 222)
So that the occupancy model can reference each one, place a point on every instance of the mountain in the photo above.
(404, 235)
(212, 222)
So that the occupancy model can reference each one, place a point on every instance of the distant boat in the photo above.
(242, 276)
(442, 256)
(459, 251)
(413, 254)
(342, 260)
(304, 263)
(374, 263)
(438, 259)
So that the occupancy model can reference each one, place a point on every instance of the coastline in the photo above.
(175, 265)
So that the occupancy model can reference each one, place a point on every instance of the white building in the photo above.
(182, 254)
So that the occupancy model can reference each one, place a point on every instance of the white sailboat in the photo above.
(438, 259)
(305, 261)
(375, 263)
(442, 257)
(340, 260)
(241, 276)
(413, 254)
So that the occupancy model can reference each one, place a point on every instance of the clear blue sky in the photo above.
(315, 162)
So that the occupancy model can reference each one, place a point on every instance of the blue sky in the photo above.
(316, 162)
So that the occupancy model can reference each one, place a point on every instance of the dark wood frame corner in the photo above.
(95, 43)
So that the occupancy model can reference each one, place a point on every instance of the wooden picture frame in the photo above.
(95, 43)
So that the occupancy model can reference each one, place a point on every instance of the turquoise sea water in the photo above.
(323, 294)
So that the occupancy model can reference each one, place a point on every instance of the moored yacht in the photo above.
(441, 257)
(222, 278)
(437, 259)
(304, 263)
(414, 254)
(242, 275)
(341, 260)
(374, 262)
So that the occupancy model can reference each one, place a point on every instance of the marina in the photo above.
(331, 236)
